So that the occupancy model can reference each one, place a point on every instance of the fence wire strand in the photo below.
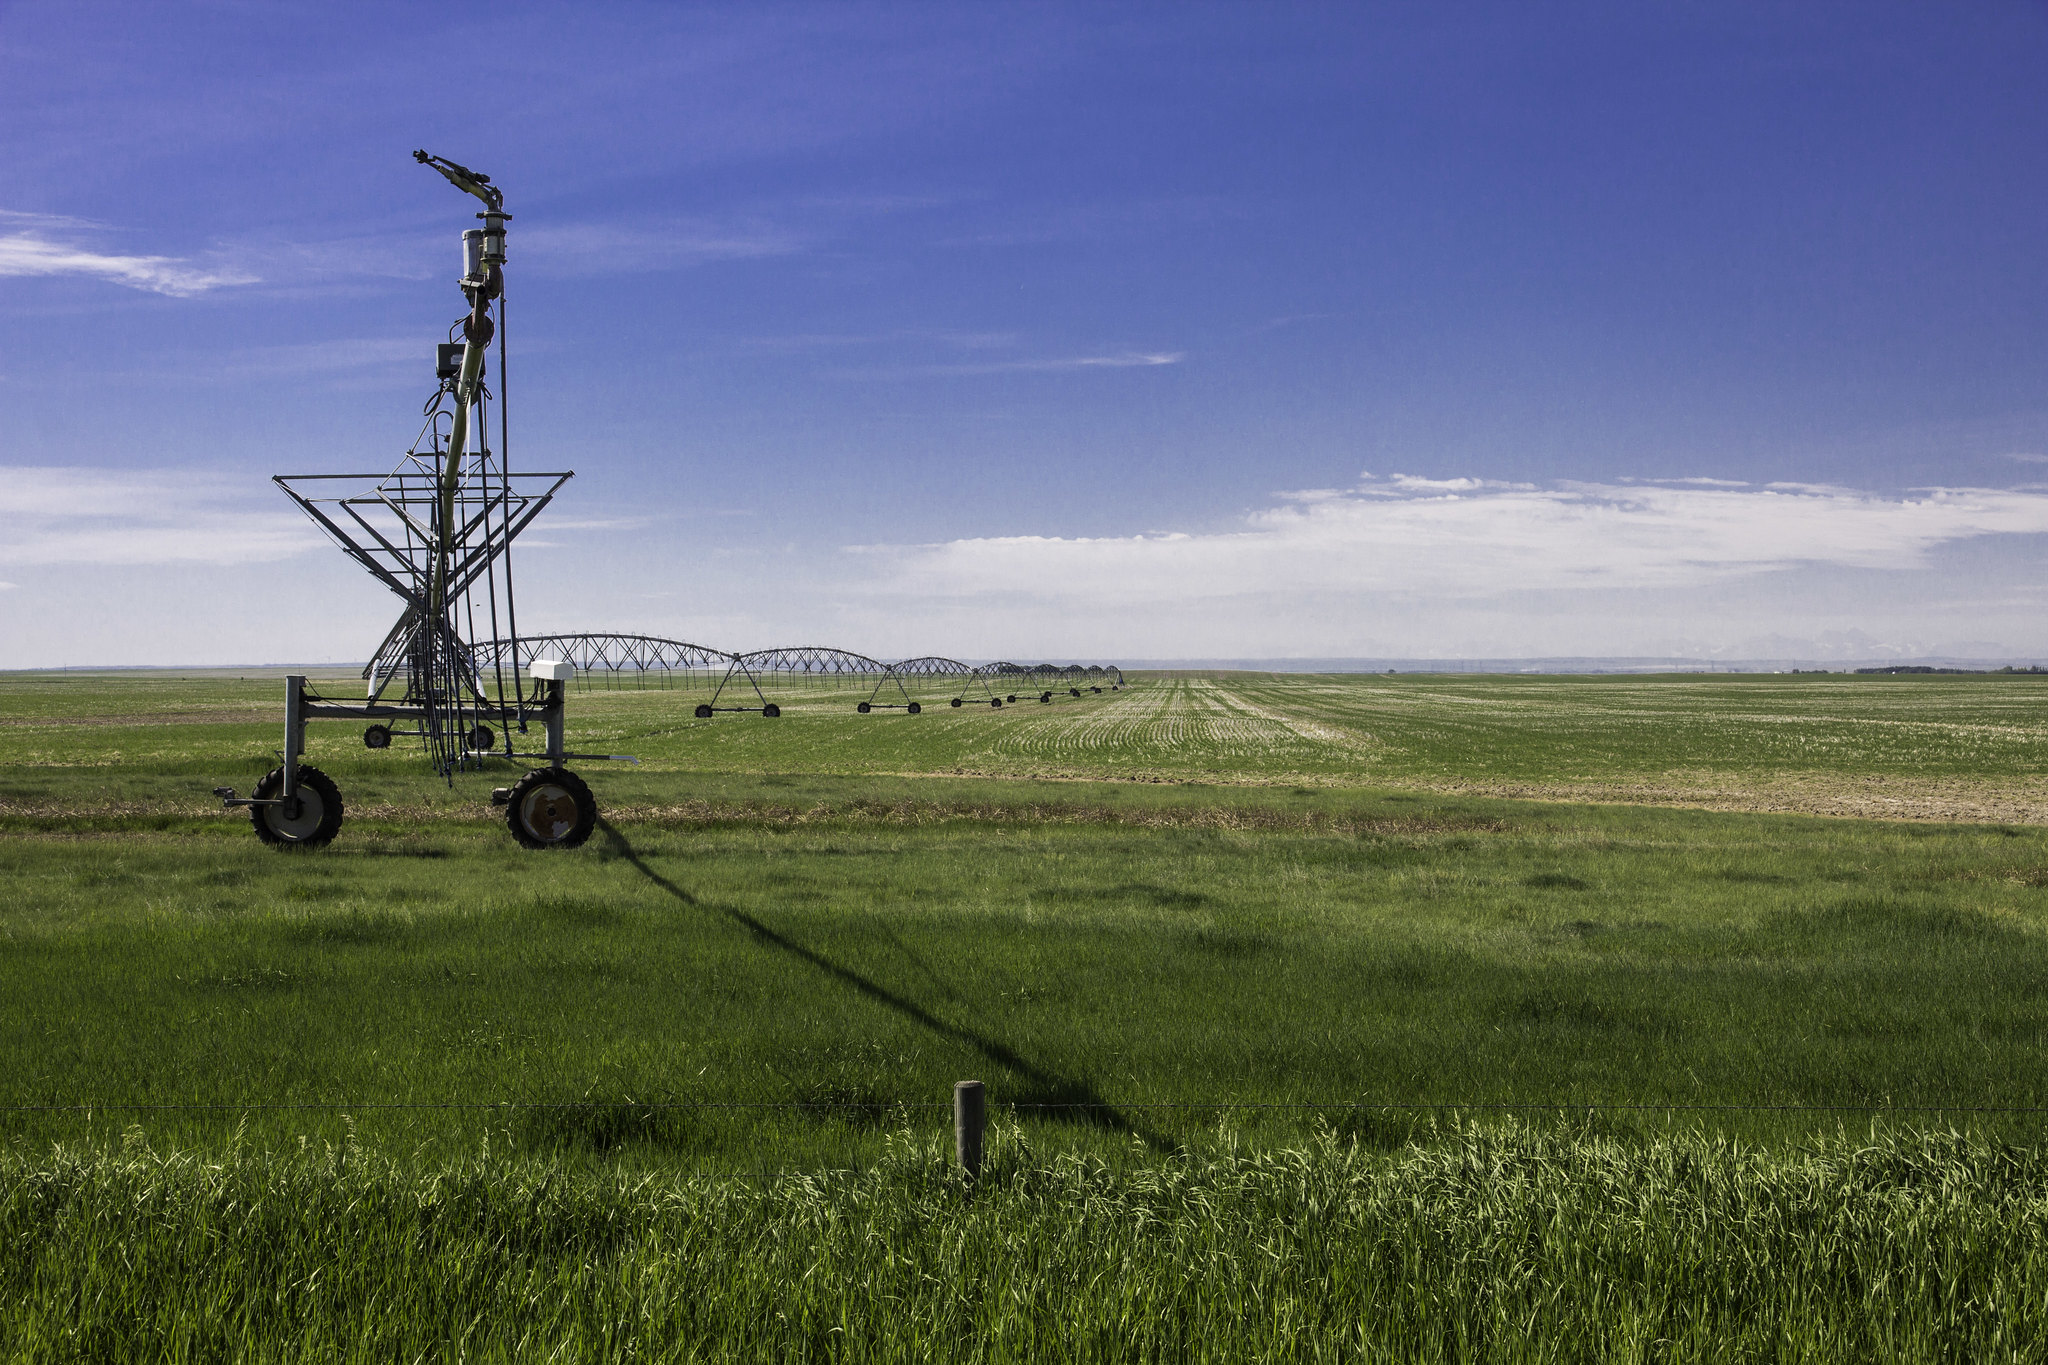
(1023, 1106)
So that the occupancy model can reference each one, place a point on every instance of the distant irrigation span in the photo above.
(761, 681)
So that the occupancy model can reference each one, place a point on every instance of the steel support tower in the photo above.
(437, 530)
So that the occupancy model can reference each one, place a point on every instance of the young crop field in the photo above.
(1326, 1016)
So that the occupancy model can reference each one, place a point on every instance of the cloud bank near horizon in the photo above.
(105, 518)
(1464, 539)
(1404, 567)
(1391, 567)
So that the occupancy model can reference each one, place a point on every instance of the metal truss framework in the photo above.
(902, 685)
(437, 530)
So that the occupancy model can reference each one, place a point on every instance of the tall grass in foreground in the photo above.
(1491, 1244)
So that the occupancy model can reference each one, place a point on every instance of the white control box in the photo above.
(550, 670)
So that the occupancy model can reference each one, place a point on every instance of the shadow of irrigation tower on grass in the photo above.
(1045, 1092)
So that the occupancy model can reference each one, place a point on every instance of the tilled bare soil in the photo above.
(1955, 800)
(2009, 801)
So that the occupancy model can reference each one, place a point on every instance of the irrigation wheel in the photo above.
(311, 818)
(481, 739)
(377, 737)
(551, 808)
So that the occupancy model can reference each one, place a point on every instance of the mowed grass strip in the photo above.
(1125, 974)
(1473, 1244)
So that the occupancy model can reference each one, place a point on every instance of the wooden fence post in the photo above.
(970, 1117)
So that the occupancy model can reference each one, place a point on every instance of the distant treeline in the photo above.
(1926, 668)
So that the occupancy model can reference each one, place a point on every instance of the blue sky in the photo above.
(1116, 331)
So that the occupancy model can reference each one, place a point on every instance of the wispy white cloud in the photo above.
(1287, 320)
(108, 518)
(596, 524)
(341, 364)
(119, 517)
(46, 221)
(831, 341)
(1122, 360)
(43, 245)
(758, 231)
(345, 355)
(622, 248)
(976, 346)
(1094, 222)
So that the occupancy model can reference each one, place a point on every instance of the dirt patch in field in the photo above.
(114, 812)
(1955, 800)
(2007, 801)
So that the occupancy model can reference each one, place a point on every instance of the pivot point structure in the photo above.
(437, 530)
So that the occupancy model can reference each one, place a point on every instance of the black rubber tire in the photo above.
(863, 708)
(312, 820)
(1074, 691)
(1012, 699)
(377, 737)
(1096, 690)
(1045, 696)
(956, 703)
(771, 710)
(703, 710)
(536, 813)
(997, 703)
(482, 740)
(913, 708)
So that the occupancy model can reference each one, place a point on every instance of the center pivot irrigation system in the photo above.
(454, 671)
(763, 680)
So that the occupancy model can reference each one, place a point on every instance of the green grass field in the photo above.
(1234, 954)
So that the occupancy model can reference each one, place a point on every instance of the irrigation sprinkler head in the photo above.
(466, 180)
